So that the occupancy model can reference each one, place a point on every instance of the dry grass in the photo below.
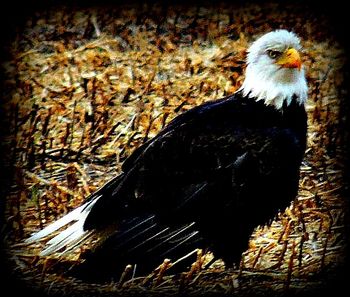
(88, 86)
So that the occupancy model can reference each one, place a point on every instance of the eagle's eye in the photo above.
(273, 54)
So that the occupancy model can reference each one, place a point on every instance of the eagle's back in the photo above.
(214, 173)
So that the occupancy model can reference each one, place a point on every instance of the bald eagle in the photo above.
(206, 180)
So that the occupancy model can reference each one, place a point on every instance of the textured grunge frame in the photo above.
(183, 55)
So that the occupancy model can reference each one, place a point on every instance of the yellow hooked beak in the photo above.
(290, 59)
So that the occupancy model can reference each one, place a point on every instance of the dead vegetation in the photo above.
(86, 87)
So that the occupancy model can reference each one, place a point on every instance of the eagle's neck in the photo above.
(277, 87)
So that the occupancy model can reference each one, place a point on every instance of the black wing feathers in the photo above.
(139, 240)
(214, 172)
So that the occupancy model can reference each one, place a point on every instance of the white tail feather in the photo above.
(69, 238)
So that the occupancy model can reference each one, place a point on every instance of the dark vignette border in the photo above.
(12, 19)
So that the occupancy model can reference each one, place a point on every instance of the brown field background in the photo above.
(84, 87)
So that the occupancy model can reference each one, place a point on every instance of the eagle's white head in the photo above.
(274, 70)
